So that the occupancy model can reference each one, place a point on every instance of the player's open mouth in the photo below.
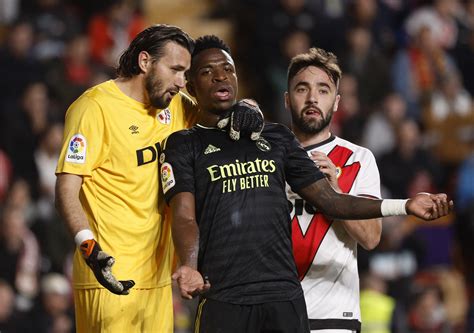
(223, 94)
(313, 112)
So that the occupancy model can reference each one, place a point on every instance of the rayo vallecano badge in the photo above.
(263, 144)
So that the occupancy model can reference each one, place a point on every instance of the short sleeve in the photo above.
(85, 141)
(368, 180)
(177, 165)
(300, 170)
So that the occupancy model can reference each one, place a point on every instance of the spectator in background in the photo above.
(17, 64)
(73, 73)
(295, 42)
(19, 256)
(400, 168)
(439, 18)
(417, 70)
(379, 134)
(19, 197)
(111, 30)
(349, 121)
(23, 126)
(427, 313)
(363, 60)
(396, 260)
(11, 320)
(54, 238)
(448, 118)
(54, 24)
(53, 312)
(376, 307)
(46, 158)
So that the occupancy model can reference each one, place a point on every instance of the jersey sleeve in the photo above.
(85, 141)
(368, 181)
(177, 165)
(300, 170)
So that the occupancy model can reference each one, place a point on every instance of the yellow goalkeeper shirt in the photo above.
(113, 141)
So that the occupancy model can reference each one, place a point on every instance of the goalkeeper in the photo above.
(107, 184)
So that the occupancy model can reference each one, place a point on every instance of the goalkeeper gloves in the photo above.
(101, 264)
(245, 115)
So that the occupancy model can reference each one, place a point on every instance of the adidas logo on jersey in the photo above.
(211, 149)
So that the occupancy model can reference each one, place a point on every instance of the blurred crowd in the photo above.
(406, 94)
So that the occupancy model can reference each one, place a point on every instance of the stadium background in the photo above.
(406, 94)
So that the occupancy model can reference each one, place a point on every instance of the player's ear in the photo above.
(336, 103)
(287, 100)
(144, 61)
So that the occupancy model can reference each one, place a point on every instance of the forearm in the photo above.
(68, 204)
(186, 241)
(340, 206)
(185, 229)
(366, 232)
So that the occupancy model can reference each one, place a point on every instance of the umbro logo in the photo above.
(211, 149)
(134, 129)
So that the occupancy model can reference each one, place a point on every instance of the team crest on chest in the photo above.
(263, 144)
(164, 116)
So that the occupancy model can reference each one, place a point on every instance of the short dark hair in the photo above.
(327, 61)
(204, 43)
(209, 42)
(152, 40)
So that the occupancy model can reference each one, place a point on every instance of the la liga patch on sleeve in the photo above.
(76, 151)
(167, 177)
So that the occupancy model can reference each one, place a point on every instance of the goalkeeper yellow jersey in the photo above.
(113, 141)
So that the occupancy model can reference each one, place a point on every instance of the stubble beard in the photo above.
(311, 126)
(153, 87)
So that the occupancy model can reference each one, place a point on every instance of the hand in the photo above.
(190, 282)
(244, 115)
(327, 167)
(101, 264)
(429, 206)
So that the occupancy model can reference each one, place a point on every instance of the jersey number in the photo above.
(306, 245)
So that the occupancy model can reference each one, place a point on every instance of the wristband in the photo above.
(393, 207)
(83, 235)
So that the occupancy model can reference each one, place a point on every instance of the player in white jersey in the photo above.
(325, 250)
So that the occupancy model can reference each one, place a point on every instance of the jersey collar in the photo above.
(322, 143)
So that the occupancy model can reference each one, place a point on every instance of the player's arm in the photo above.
(343, 206)
(69, 208)
(67, 202)
(367, 234)
(185, 233)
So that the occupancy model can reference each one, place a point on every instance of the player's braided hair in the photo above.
(152, 40)
(317, 57)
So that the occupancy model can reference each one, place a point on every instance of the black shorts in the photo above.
(283, 317)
